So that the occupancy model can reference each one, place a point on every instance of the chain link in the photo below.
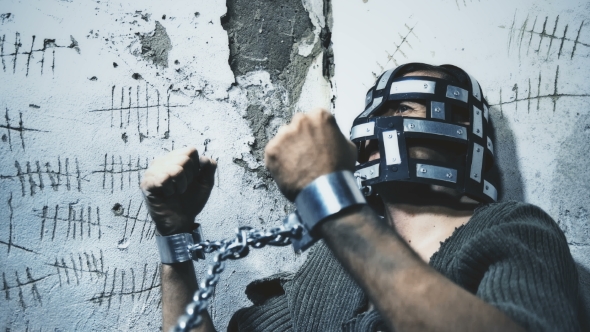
(235, 248)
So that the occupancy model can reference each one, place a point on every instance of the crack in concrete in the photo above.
(266, 37)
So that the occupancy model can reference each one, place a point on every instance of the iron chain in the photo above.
(235, 248)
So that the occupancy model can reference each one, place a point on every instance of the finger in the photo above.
(189, 170)
(180, 183)
(186, 151)
(207, 174)
(162, 183)
(196, 165)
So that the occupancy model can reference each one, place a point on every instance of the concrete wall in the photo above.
(92, 91)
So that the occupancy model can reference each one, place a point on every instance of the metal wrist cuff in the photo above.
(174, 248)
(326, 196)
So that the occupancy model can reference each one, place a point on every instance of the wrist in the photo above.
(179, 248)
(327, 197)
(172, 226)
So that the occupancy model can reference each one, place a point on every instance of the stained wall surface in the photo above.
(92, 91)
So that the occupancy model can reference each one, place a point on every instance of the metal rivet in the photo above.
(372, 171)
(456, 93)
(459, 131)
(477, 130)
(487, 187)
(477, 112)
(390, 136)
(425, 86)
(393, 159)
(437, 109)
(477, 150)
(449, 175)
(474, 175)
(411, 125)
(368, 130)
(489, 144)
(476, 94)
(423, 170)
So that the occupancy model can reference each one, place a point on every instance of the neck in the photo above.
(423, 222)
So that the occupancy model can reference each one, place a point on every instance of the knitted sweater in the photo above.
(511, 255)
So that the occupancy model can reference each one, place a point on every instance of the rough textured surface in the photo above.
(277, 40)
(156, 45)
(94, 92)
(88, 98)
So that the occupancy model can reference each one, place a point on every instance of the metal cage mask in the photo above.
(472, 174)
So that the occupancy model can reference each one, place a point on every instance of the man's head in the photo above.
(431, 124)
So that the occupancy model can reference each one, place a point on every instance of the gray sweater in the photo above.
(511, 255)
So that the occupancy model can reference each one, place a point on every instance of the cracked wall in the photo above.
(95, 91)
(272, 47)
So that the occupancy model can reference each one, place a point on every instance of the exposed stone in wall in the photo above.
(156, 45)
(277, 37)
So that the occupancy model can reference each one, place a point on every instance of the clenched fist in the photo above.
(176, 188)
(310, 146)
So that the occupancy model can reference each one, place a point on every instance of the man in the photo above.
(501, 266)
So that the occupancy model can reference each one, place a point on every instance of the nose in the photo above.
(374, 155)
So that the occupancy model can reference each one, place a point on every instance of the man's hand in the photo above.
(310, 146)
(176, 188)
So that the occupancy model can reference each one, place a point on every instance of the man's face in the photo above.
(417, 109)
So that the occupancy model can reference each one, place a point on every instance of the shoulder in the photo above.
(512, 218)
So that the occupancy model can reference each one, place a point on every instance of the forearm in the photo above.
(178, 286)
(410, 295)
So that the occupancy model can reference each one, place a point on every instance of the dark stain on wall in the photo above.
(155, 46)
(265, 35)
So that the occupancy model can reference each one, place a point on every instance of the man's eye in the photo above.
(404, 108)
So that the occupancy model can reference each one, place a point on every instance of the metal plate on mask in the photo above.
(457, 93)
(485, 112)
(368, 98)
(391, 147)
(412, 86)
(490, 190)
(436, 128)
(476, 162)
(384, 78)
(475, 88)
(477, 122)
(376, 103)
(362, 130)
(369, 173)
(490, 146)
(437, 110)
(436, 173)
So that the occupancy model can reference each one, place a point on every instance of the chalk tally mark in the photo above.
(74, 268)
(74, 221)
(132, 216)
(533, 100)
(140, 108)
(37, 176)
(15, 53)
(118, 173)
(21, 287)
(393, 55)
(19, 130)
(9, 243)
(547, 37)
(127, 284)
